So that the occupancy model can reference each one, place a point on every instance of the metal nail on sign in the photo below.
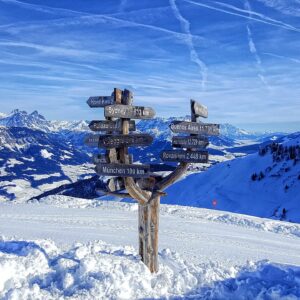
(195, 128)
(123, 170)
(184, 156)
(100, 101)
(189, 141)
(106, 125)
(128, 112)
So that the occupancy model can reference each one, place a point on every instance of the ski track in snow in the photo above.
(203, 254)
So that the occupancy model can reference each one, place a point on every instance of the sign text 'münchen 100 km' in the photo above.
(123, 170)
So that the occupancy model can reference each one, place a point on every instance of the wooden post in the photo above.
(148, 233)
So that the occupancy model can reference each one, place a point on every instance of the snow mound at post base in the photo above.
(40, 270)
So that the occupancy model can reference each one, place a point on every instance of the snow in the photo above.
(39, 269)
(203, 254)
(46, 154)
(231, 185)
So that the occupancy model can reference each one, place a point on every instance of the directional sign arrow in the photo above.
(184, 156)
(128, 112)
(109, 126)
(92, 140)
(195, 128)
(123, 170)
(100, 101)
(198, 109)
(189, 142)
(120, 140)
(109, 141)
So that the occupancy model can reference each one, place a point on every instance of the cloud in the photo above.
(185, 25)
(256, 18)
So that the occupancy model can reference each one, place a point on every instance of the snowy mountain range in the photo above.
(41, 157)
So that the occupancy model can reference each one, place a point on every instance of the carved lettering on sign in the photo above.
(184, 156)
(128, 112)
(195, 128)
(189, 142)
(123, 170)
(109, 126)
(100, 101)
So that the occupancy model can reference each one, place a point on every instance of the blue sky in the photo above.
(240, 58)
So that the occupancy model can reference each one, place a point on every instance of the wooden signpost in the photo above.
(139, 181)
(129, 112)
(186, 156)
(189, 142)
(105, 125)
(100, 101)
(123, 170)
(195, 128)
(120, 140)
(198, 109)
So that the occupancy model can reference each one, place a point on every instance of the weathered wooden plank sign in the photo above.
(105, 125)
(184, 156)
(100, 101)
(194, 128)
(198, 109)
(110, 141)
(189, 141)
(120, 140)
(128, 112)
(92, 140)
(123, 170)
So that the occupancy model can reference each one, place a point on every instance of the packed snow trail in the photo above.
(197, 234)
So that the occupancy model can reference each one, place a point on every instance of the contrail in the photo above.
(253, 50)
(265, 21)
(283, 57)
(185, 25)
(122, 5)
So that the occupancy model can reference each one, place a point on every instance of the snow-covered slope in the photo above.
(86, 249)
(265, 184)
(33, 161)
